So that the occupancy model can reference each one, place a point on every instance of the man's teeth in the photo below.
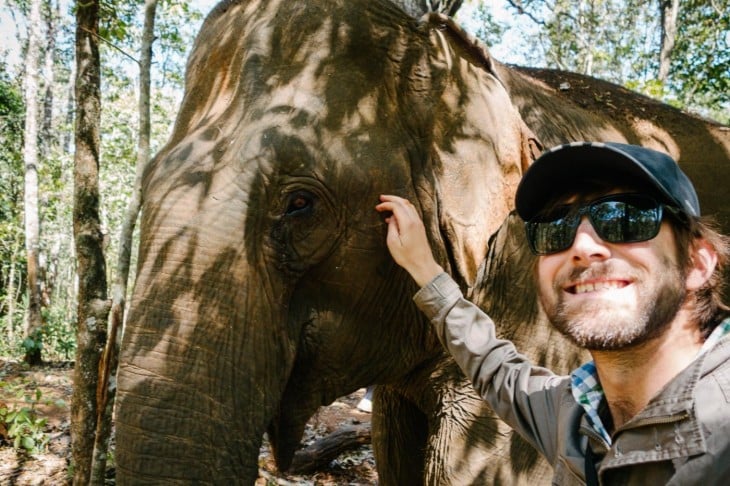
(591, 287)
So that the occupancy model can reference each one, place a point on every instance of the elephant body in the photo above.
(560, 107)
(264, 286)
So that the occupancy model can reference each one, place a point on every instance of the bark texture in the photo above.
(669, 12)
(324, 451)
(93, 308)
(34, 320)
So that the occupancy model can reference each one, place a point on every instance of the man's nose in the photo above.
(587, 245)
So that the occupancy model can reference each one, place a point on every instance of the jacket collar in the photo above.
(673, 402)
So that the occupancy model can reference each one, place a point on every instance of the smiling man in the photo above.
(628, 270)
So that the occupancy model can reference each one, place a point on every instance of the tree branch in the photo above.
(109, 43)
(517, 5)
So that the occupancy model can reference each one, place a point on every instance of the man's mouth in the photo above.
(584, 287)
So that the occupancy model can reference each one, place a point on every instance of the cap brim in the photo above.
(565, 166)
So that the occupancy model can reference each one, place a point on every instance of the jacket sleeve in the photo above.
(526, 397)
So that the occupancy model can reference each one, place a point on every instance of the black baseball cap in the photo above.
(563, 166)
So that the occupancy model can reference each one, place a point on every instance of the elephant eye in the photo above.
(299, 203)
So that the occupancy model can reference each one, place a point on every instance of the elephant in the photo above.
(264, 287)
(561, 106)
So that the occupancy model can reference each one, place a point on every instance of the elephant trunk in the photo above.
(204, 364)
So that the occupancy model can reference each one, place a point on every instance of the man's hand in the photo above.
(407, 240)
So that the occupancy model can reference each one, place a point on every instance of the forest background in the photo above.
(675, 51)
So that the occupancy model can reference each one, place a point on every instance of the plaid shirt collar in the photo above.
(588, 392)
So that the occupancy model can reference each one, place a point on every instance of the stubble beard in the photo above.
(601, 326)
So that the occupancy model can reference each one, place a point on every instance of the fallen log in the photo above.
(319, 454)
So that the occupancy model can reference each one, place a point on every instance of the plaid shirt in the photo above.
(588, 392)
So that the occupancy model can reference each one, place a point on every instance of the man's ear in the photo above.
(703, 260)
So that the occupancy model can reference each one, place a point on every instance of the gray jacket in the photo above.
(682, 437)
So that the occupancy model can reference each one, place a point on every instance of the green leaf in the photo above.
(28, 443)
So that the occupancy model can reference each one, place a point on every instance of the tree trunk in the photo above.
(417, 8)
(11, 297)
(669, 10)
(119, 289)
(47, 137)
(70, 104)
(93, 307)
(34, 321)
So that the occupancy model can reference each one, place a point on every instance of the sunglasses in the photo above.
(617, 218)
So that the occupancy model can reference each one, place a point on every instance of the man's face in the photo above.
(607, 296)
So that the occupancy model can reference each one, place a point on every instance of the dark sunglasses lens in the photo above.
(621, 218)
(626, 219)
(553, 233)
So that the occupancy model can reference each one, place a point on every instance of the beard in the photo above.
(603, 325)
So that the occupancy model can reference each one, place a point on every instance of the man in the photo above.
(627, 270)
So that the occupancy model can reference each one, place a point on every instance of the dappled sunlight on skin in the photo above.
(656, 137)
(265, 286)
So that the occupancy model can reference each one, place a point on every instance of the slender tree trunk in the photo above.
(119, 288)
(669, 10)
(11, 292)
(47, 136)
(34, 321)
(93, 307)
(70, 103)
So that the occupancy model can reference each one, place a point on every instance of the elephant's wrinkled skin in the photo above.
(264, 287)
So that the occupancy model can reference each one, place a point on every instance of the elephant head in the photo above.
(264, 287)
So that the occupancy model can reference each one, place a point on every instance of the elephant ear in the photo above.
(481, 146)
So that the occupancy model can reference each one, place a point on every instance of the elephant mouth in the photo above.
(299, 401)
(286, 429)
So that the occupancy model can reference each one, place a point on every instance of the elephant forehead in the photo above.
(305, 102)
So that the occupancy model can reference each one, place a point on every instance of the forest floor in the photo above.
(46, 390)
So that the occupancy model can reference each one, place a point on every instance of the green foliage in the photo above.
(23, 426)
(10, 343)
(12, 256)
(33, 343)
(700, 73)
(175, 41)
(12, 112)
(488, 29)
(620, 41)
(116, 19)
(59, 332)
(121, 26)
(612, 39)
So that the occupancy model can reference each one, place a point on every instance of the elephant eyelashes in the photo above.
(299, 204)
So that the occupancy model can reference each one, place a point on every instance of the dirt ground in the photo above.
(47, 391)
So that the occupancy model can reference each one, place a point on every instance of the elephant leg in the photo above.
(399, 435)
(436, 418)
(469, 444)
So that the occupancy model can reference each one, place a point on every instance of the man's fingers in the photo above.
(402, 208)
(394, 235)
(403, 221)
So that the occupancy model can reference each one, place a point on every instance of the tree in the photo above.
(47, 137)
(676, 52)
(106, 385)
(700, 72)
(669, 10)
(34, 320)
(12, 262)
(93, 307)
